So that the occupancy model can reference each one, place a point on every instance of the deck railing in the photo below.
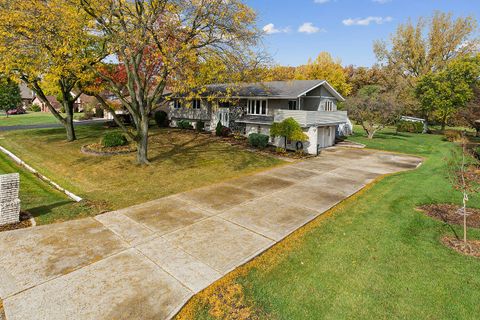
(306, 118)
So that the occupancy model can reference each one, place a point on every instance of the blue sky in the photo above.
(345, 28)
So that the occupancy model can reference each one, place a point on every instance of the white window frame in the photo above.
(177, 104)
(329, 105)
(252, 107)
(295, 104)
(196, 104)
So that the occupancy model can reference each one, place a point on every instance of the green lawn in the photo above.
(372, 257)
(27, 119)
(180, 161)
(40, 199)
(31, 118)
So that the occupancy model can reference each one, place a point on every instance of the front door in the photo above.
(223, 115)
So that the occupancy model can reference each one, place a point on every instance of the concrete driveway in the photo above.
(146, 261)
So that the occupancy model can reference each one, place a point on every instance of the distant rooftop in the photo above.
(275, 89)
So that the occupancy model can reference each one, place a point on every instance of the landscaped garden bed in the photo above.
(25, 222)
(471, 248)
(242, 141)
(449, 213)
(97, 149)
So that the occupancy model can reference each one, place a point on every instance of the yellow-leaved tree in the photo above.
(159, 44)
(325, 67)
(47, 45)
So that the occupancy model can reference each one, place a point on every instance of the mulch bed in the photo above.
(471, 248)
(448, 213)
(269, 150)
(24, 223)
(97, 149)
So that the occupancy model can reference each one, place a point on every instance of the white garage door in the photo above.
(326, 137)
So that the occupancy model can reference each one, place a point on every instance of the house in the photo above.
(26, 94)
(43, 107)
(254, 107)
(79, 105)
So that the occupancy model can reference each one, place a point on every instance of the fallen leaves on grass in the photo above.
(2, 312)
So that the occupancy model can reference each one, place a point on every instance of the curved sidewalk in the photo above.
(148, 260)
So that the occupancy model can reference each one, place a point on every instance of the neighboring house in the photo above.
(79, 105)
(253, 108)
(43, 107)
(27, 95)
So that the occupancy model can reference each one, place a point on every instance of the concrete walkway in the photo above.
(146, 261)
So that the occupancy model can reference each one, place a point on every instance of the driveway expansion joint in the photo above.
(150, 259)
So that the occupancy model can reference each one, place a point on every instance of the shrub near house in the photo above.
(258, 140)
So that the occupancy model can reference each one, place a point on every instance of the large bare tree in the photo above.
(157, 44)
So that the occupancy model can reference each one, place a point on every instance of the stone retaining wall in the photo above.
(9, 202)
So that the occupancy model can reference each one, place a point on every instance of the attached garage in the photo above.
(325, 136)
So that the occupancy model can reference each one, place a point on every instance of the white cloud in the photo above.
(271, 29)
(309, 28)
(321, 1)
(366, 21)
(381, 1)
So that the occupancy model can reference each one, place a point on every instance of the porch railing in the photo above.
(306, 118)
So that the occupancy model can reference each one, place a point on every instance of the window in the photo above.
(292, 105)
(329, 105)
(257, 107)
(196, 104)
(177, 104)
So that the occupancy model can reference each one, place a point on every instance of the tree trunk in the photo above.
(444, 123)
(370, 134)
(442, 128)
(68, 124)
(142, 141)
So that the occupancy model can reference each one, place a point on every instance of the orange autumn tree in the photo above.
(47, 45)
(160, 43)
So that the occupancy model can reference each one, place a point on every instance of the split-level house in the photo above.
(253, 108)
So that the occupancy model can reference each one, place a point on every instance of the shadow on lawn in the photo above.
(43, 210)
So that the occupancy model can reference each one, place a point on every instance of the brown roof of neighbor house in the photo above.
(25, 92)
